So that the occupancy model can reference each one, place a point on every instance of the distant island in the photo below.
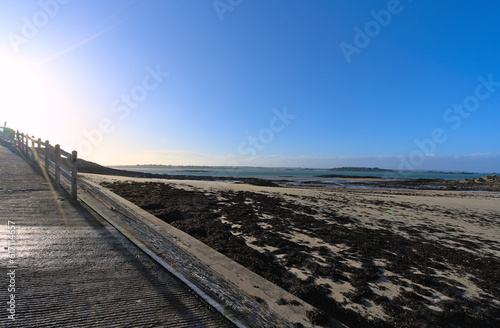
(376, 169)
(361, 169)
(193, 171)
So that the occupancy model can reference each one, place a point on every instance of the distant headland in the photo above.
(360, 169)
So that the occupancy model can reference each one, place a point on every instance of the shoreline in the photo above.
(485, 183)
(356, 254)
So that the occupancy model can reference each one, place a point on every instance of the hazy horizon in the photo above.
(280, 168)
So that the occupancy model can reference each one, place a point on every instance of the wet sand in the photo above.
(377, 258)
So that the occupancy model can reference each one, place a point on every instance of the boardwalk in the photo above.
(68, 268)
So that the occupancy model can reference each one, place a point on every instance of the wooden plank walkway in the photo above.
(63, 266)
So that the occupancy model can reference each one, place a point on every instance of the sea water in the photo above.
(295, 174)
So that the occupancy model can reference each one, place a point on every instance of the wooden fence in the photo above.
(51, 158)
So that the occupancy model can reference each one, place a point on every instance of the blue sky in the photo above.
(395, 84)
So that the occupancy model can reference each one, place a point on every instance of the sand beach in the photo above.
(367, 257)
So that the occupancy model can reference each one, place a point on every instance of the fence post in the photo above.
(47, 145)
(33, 157)
(74, 174)
(38, 149)
(22, 142)
(57, 163)
(38, 145)
(26, 145)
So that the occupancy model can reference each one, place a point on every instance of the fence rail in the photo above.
(50, 158)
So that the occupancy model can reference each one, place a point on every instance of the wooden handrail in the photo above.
(34, 151)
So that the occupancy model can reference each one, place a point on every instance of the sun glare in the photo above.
(28, 99)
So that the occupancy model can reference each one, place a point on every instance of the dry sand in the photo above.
(366, 257)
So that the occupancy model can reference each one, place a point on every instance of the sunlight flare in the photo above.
(29, 99)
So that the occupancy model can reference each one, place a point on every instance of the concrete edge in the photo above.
(242, 279)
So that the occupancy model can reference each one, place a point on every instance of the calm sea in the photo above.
(297, 174)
